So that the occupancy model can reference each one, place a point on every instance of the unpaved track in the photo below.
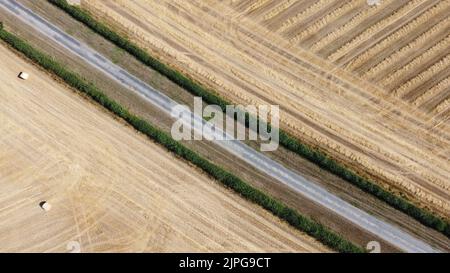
(357, 122)
(111, 189)
(312, 191)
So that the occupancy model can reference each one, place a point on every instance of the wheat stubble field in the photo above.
(110, 188)
(369, 85)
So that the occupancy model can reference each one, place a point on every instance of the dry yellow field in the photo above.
(368, 84)
(111, 189)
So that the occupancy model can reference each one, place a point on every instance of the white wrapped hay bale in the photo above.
(45, 206)
(23, 75)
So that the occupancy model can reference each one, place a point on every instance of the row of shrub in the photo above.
(312, 228)
(312, 154)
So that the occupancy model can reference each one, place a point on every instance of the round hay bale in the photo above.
(45, 205)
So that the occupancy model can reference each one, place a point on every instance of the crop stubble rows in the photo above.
(381, 124)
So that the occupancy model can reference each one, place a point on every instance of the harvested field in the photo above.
(323, 62)
(110, 188)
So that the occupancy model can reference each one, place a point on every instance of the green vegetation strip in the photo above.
(289, 142)
(312, 228)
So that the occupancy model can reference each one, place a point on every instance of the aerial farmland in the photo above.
(96, 96)
(104, 195)
(367, 84)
